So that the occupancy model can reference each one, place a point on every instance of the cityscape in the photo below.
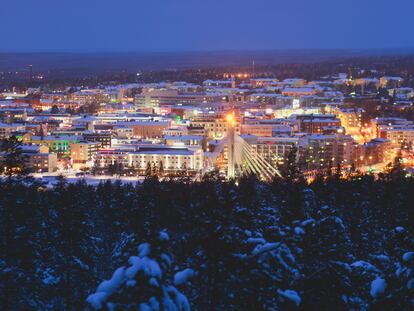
(213, 155)
(352, 121)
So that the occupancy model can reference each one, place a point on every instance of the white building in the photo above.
(173, 159)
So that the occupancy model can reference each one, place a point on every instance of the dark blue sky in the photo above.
(188, 25)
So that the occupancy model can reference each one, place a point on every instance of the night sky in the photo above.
(194, 25)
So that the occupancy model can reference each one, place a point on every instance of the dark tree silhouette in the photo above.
(13, 161)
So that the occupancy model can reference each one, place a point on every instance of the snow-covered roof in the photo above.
(164, 151)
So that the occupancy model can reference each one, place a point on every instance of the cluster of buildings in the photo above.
(181, 128)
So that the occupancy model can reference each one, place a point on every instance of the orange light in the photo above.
(230, 118)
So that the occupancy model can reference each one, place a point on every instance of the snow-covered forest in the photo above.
(343, 244)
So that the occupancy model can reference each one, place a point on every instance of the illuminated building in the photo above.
(399, 136)
(220, 83)
(294, 82)
(351, 119)
(367, 81)
(57, 144)
(151, 98)
(315, 123)
(41, 162)
(299, 91)
(275, 149)
(215, 126)
(196, 130)
(46, 104)
(174, 159)
(396, 130)
(82, 152)
(325, 150)
(184, 140)
(287, 112)
(89, 96)
(104, 138)
(106, 157)
(373, 152)
(214, 106)
(38, 159)
(390, 82)
(278, 100)
(262, 130)
(13, 95)
(176, 131)
(389, 123)
(7, 129)
(263, 82)
(147, 129)
(123, 132)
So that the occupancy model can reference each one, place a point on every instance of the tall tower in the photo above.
(231, 123)
(253, 69)
(30, 72)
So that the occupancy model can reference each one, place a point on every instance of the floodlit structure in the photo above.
(241, 155)
(230, 145)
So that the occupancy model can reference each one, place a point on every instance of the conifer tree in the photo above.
(14, 161)
(144, 283)
(290, 170)
(161, 168)
(154, 169)
(148, 170)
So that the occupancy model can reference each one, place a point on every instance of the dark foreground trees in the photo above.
(342, 244)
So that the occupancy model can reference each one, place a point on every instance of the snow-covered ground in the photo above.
(51, 178)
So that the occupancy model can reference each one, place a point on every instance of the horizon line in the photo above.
(354, 50)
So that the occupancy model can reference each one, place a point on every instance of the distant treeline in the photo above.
(91, 69)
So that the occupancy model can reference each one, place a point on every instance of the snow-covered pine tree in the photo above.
(144, 283)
